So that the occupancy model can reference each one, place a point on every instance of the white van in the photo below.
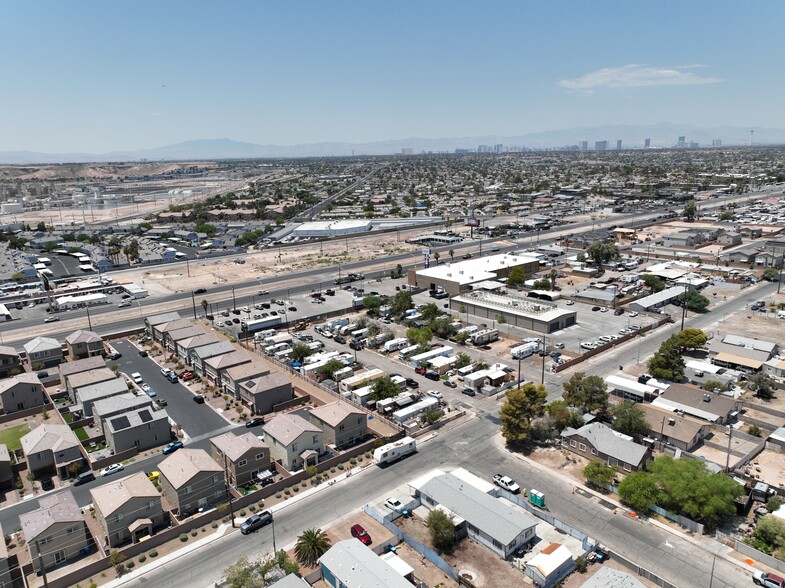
(137, 377)
(781, 314)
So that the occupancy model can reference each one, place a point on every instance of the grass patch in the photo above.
(11, 437)
(81, 434)
(68, 418)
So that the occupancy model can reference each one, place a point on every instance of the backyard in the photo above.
(10, 436)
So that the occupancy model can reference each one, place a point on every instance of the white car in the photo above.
(768, 580)
(604, 309)
(112, 469)
(570, 302)
(124, 304)
(393, 503)
(434, 394)
(166, 371)
(507, 483)
(219, 324)
(588, 345)
(633, 313)
(145, 386)
(51, 319)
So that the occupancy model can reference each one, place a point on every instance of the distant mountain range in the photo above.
(632, 136)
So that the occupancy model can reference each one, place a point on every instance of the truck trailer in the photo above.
(394, 451)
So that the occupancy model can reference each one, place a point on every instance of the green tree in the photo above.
(691, 339)
(690, 211)
(711, 385)
(516, 277)
(300, 351)
(244, 574)
(581, 257)
(601, 252)
(430, 311)
(310, 546)
(667, 363)
(770, 534)
(117, 559)
(41, 227)
(589, 393)
(398, 272)
(653, 283)
(205, 305)
(462, 360)
(522, 405)
(542, 284)
(753, 430)
(372, 303)
(329, 368)
(563, 416)
(629, 419)
(383, 388)
(419, 335)
(451, 253)
(441, 530)
(638, 490)
(50, 246)
(461, 338)
(694, 300)
(401, 302)
(771, 274)
(437, 256)
(443, 327)
(205, 228)
(762, 385)
(598, 473)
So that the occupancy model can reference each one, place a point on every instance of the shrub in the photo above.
(296, 488)
(242, 513)
(130, 564)
(340, 466)
(252, 508)
(353, 461)
(142, 558)
(214, 525)
(287, 492)
(332, 470)
(183, 537)
(277, 494)
(580, 565)
(194, 532)
(152, 553)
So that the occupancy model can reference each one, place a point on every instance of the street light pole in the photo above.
(234, 300)
(193, 303)
(89, 322)
(727, 457)
(684, 306)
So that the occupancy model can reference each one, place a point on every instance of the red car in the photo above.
(187, 376)
(360, 533)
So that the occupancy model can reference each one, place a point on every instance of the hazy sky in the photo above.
(81, 76)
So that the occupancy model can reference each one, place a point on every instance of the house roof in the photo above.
(227, 360)
(290, 581)
(754, 364)
(101, 390)
(197, 341)
(611, 443)
(4, 455)
(756, 344)
(692, 400)
(490, 515)
(90, 377)
(263, 383)
(606, 577)
(718, 347)
(235, 446)
(213, 349)
(40, 344)
(680, 427)
(58, 508)
(550, 559)
(121, 403)
(357, 566)
(174, 325)
(82, 365)
(134, 418)
(183, 465)
(49, 437)
(109, 497)
(334, 413)
(185, 333)
(286, 428)
(165, 317)
(83, 336)
(5, 350)
(4, 550)
(246, 371)
(23, 378)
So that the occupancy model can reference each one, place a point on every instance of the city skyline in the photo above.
(95, 77)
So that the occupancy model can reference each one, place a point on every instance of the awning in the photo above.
(139, 524)
(264, 475)
(723, 357)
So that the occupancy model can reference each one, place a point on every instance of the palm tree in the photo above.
(310, 546)
(436, 256)
(205, 304)
(452, 253)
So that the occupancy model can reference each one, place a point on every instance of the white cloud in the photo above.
(637, 76)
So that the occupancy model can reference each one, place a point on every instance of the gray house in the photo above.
(293, 441)
(6, 579)
(191, 479)
(51, 448)
(243, 456)
(598, 441)
(185, 346)
(138, 429)
(43, 351)
(215, 366)
(56, 532)
(83, 344)
(115, 405)
(80, 365)
(87, 378)
(9, 361)
(232, 377)
(264, 392)
(128, 509)
(158, 319)
(86, 396)
(342, 424)
(21, 392)
(199, 354)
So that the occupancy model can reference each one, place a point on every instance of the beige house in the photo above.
(51, 449)
(87, 396)
(264, 392)
(172, 337)
(232, 377)
(21, 392)
(80, 365)
(128, 509)
(160, 331)
(242, 456)
(9, 361)
(44, 352)
(81, 344)
(87, 378)
(215, 366)
(191, 479)
(56, 532)
(137, 429)
(294, 441)
(6, 473)
(200, 354)
(151, 322)
(185, 346)
(342, 424)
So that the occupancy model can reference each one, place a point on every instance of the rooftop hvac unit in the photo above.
(671, 421)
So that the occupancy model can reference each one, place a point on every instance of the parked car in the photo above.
(768, 580)
(112, 469)
(172, 377)
(570, 302)
(151, 392)
(187, 376)
(412, 383)
(450, 384)
(255, 422)
(633, 313)
(51, 319)
(469, 392)
(165, 371)
(47, 483)
(595, 308)
(432, 376)
(263, 293)
(393, 503)
(358, 532)
(161, 402)
(153, 476)
(434, 394)
(507, 483)
(124, 304)
(142, 353)
(172, 447)
(199, 399)
(604, 309)
(84, 478)
(618, 312)
(256, 522)
(115, 355)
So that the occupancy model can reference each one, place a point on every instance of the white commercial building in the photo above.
(332, 228)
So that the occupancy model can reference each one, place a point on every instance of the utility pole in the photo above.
(229, 491)
(519, 372)
(234, 300)
(543, 349)
(193, 303)
(89, 322)
(41, 567)
(727, 457)
(684, 306)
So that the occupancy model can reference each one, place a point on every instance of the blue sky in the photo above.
(98, 76)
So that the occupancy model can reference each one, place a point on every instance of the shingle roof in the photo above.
(228, 360)
(41, 344)
(198, 341)
(684, 428)
(6, 350)
(82, 365)
(607, 441)
(59, 508)
(262, 383)
(334, 413)
(83, 336)
(90, 377)
(49, 437)
(165, 317)
(109, 497)
(247, 370)
(691, 400)
(214, 349)
(180, 467)
(23, 378)
(235, 446)
(286, 428)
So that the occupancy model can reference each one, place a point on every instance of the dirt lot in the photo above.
(561, 460)
(770, 466)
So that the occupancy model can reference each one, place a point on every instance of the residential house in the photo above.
(768, 347)
(43, 352)
(775, 367)
(10, 363)
(342, 424)
(21, 392)
(128, 509)
(105, 408)
(199, 354)
(87, 378)
(706, 406)
(6, 578)
(86, 396)
(476, 511)
(350, 564)
(598, 441)
(232, 377)
(264, 392)
(55, 533)
(138, 429)
(729, 239)
(216, 365)
(293, 441)
(290, 581)
(172, 337)
(158, 319)
(550, 566)
(745, 255)
(191, 479)
(51, 448)
(185, 346)
(83, 344)
(161, 331)
(6, 472)
(80, 365)
(243, 457)
(683, 239)
(670, 428)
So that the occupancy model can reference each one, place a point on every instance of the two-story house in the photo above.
(87, 378)
(138, 429)
(6, 579)
(191, 479)
(293, 441)
(264, 392)
(56, 532)
(6, 472)
(10, 363)
(215, 366)
(81, 344)
(232, 377)
(43, 352)
(80, 365)
(151, 322)
(170, 338)
(120, 404)
(200, 354)
(161, 332)
(51, 448)
(598, 441)
(87, 396)
(128, 509)
(185, 346)
(21, 392)
(243, 456)
(342, 424)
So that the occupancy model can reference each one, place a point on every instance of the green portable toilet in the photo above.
(537, 498)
